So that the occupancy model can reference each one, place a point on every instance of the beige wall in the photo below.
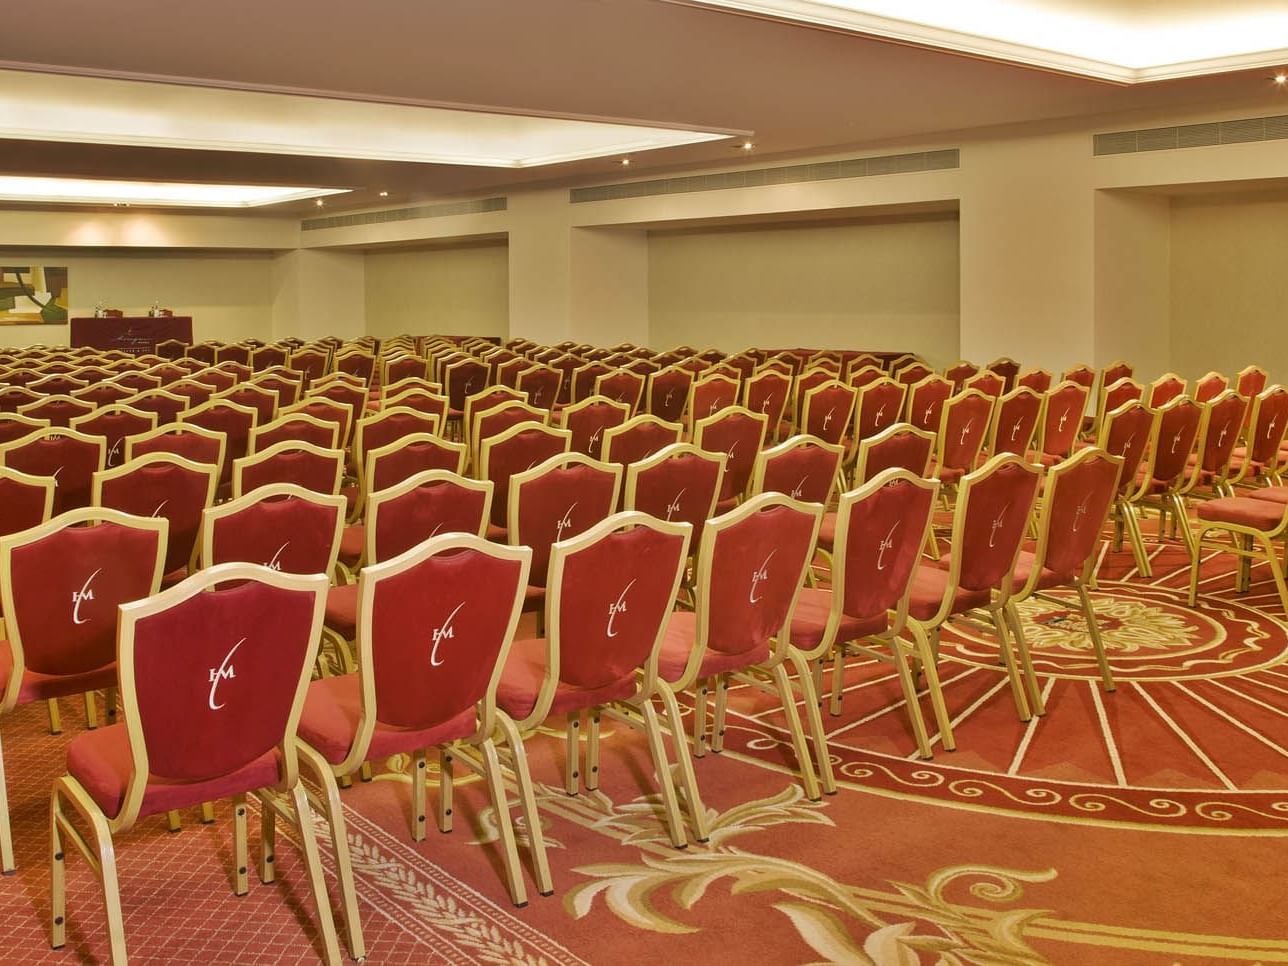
(452, 291)
(228, 296)
(870, 285)
(1133, 281)
(1229, 285)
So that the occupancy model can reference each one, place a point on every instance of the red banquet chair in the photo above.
(989, 523)
(496, 420)
(1170, 472)
(902, 446)
(708, 395)
(926, 402)
(957, 374)
(964, 426)
(410, 455)
(436, 626)
(191, 442)
(679, 483)
(881, 528)
(13, 426)
(751, 565)
(767, 392)
(668, 393)
(338, 414)
(25, 500)
(282, 527)
(1225, 414)
(102, 393)
(989, 383)
(543, 384)
(235, 421)
(1039, 380)
(1208, 386)
(264, 401)
(802, 467)
(639, 438)
(1061, 422)
(59, 410)
(828, 411)
(584, 378)
(1008, 369)
(740, 435)
(589, 419)
(622, 386)
(1261, 458)
(1130, 433)
(166, 486)
(1165, 388)
(613, 588)
(312, 467)
(1015, 422)
(165, 404)
(115, 423)
(294, 427)
(70, 457)
(517, 449)
(60, 585)
(213, 680)
(1077, 498)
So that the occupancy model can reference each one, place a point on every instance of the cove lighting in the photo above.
(85, 191)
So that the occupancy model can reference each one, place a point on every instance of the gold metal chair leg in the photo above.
(57, 873)
(721, 709)
(1276, 571)
(700, 719)
(418, 774)
(173, 820)
(1026, 661)
(1008, 659)
(241, 854)
(1093, 628)
(838, 680)
(267, 845)
(572, 754)
(591, 776)
(797, 732)
(528, 801)
(1137, 538)
(109, 699)
(822, 756)
(91, 711)
(207, 813)
(55, 719)
(684, 763)
(674, 824)
(313, 863)
(1181, 522)
(909, 686)
(446, 790)
(1194, 568)
(504, 824)
(933, 685)
(6, 832)
(340, 846)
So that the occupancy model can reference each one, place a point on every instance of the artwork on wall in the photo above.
(33, 294)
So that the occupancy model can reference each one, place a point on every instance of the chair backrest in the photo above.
(1129, 433)
(232, 419)
(102, 393)
(639, 438)
(435, 625)
(881, 528)
(59, 410)
(463, 379)
(1078, 495)
(25, 500)
(1015, 421)
(485, 400)
(1115, 371)
(879, 407)
(295, 428)
(1225, 414)
(926, 401)
(422, 506)
(391, 464)
(957, 374)
(115, 423)
(990, 523)
(1062, 419)
(214, 677)
(195, 392)
(1164, 389)
(902, 446)
(1115, 394)
(338, 414)
(966, 421)
(388, 426)
(1181, 424)
(311, 363)
(679, 484)
(828, 411)
(668, 393)
(70, 457)
(282, 526)
(61, 583)
(1082, 374)
(803, 467)
(189, 441)
(360, 364)
(313, 467)
(1007, 368)
(403, 367)
(989, 383)
(912, 372)
(514, 451)
(587, 421)
(751, 565)
(1039, 380)
(766, 392)
(708, 395)
(1210, 385)
(584, 379)
(622, 386)
(543, 384)
(352, 398)
(560, 498)
(14, 426)
(1251, 381)
(1268, 422)
(612, 591)
(264, 401)
(167, 486)
(740, 435)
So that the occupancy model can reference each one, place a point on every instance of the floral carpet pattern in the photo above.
(1147, 825)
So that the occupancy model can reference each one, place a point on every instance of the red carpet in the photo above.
(1143, 826)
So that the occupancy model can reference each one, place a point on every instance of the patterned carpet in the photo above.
(1143, 826)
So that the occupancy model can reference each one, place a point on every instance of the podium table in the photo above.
(137, 335)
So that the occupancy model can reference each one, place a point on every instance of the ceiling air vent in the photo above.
(405, 214)
(758, 177)
(1240, 131)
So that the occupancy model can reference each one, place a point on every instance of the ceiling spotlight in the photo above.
(626, 162)
(1281, 78)
(319, 202)
(384, 194)
(747, 145)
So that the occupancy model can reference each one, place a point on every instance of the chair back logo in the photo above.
(1176, 440)
(799, 488)
(80, 596)
(672, 508)
(443, 632)
(712, 408)
(157, 511)
(729, 455)
(1015, 430)
(759, 576)
(1064, 418)
(887, 543)
(224, 672)
(565, 521)
(618, 607)
(997, 525)
(276, 562)
(594, 437)
(876, 420)
(828, 418)
(1080, 512)
(55, 475)
(1225, 430)
(966, 430)
(667, 400)
(115, 451)
(929, 411)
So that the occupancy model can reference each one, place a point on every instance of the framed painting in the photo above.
(33, 294)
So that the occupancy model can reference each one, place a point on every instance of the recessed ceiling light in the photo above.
(158, 194)
(319, 202)
(384, 194)
(626, 162)
(747, 145)
(1281, 78)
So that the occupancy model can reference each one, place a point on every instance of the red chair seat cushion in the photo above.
(353, 541)
(525, 670)
(36, 686)
(1271, 494)
(1024, 569)
(810, 619)
(682, 634)
(342, 610)
(333, 707)
(1243, 511)
(100, 761)
(930, 583)
(497, 534)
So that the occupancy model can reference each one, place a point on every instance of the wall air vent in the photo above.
(405, 214)
(759, 177)
(1241, 131)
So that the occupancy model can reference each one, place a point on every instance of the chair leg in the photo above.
(173, 820)
(340, 846)
(700, 719)
(933, 685)
(418, 796)
(504, 825)
(1132, 517)
(1194, 567)
(592, 750)
(6, 833)
(838, 681)
(91, 711)
(684, 761)
(1276, 571)
(528, 800)
(55, 719)
(241, 854)
(1026, 661)
(446, 789)
(674, 824)
(823, 757)
(109, 699)
(572, 754)
(909, 686)
(313, 863)
(1008, 659)
(797, 731)
(207, 813)
(721, 709)
(267, 845)
(1093, 628)
(57, 875)
(1181, 522)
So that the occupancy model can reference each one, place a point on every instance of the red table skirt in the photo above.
(137, 335)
